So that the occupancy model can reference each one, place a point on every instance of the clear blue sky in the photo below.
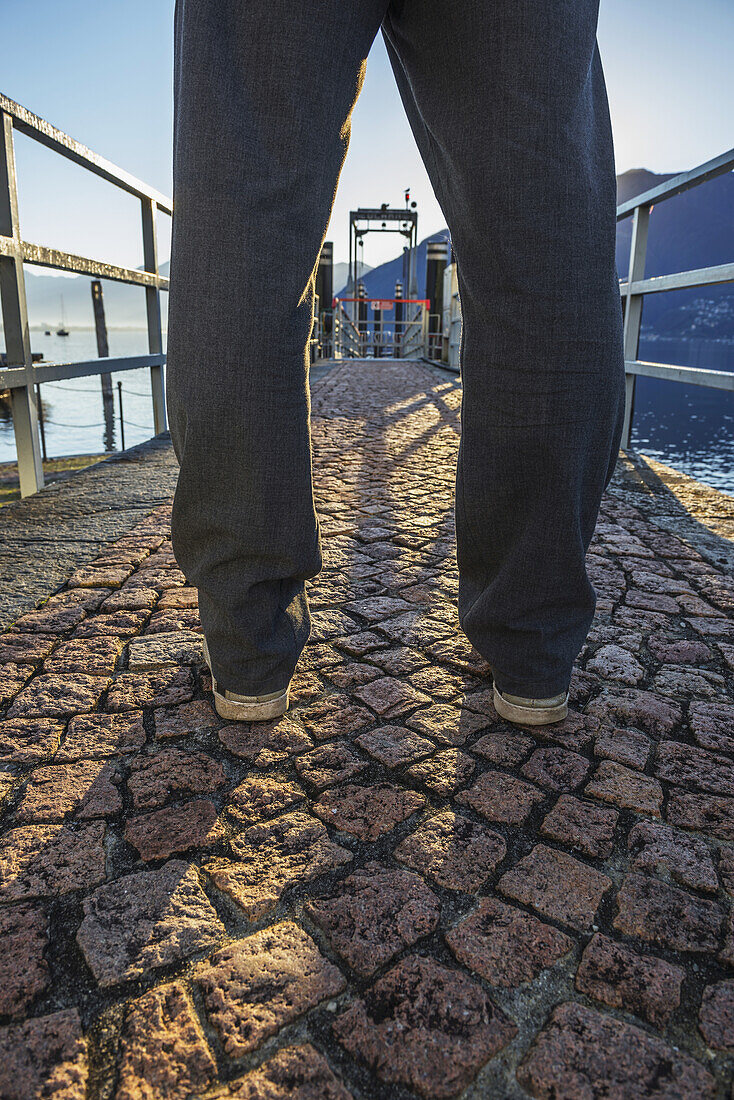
(102, 72)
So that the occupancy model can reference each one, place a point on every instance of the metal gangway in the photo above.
(380, 328)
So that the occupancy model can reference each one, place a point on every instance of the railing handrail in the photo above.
(20, 375)
(35, 127)
(637, 285)
(717, 166)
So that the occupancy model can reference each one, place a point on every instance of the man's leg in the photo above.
(508, 105)
(264, 91)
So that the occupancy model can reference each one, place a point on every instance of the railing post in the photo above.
(153, 310)
(23, 399)
(633, 311)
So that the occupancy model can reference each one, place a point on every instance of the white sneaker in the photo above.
(530, 712)
(247, 708)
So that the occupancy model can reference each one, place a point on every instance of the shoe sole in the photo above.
(246, 710)
(235, 711)
(529, 716)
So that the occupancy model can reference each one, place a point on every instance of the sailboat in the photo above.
(62, 330)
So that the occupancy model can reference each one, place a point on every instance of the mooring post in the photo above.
(633, 311)
(23, 399)
(103, 351)
(325, 292)
(436, 259)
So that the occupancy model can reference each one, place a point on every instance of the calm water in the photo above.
(72, 409)
(688, 427)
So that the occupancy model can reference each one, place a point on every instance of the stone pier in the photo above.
(389, 893)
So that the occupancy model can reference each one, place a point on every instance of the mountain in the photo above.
(124, 305)
(380, 281)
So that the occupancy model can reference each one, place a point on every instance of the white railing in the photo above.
(636, 286)
(21, 376)
(633, 290)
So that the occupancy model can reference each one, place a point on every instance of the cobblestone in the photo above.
(23, 970)
(502, 798)
(443, 773)
(615, 975)
(505, 945)
(146, 920)
(686, 765)
(665, 915)
(581, 825)
(254, 986)
(702, 812)
(39, 861)
(272, 857)
(407, 859)
(426, 1026)
(91, 736)
(716, 1018)
(87, 789)
(169, 771)
(327, 765)
(663, 851)
(174, 829)
(556, 885)
(627, 789)
(628, 747)
(29, 740)
(265, 743)
(640, 709)
(44, 1057)
(367, 812)
(583, 1053)
(165, 688)
(376, 913)
(395, 745)
(58, 695)
(556, 768)
(163, 1051)
(447, 725)
(260, 797)
(294, 1073)
(95, 657)
(454, 851)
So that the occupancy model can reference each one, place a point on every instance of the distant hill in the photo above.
(380, 281)
(695, 229)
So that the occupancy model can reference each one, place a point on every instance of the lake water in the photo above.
(72, 410)
(688, 427)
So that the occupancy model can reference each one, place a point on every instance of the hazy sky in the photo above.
(102, 72)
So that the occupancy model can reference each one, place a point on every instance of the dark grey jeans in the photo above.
(508, 105)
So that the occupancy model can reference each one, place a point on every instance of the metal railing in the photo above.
(636, 286)
(381, 328)
(21, 376)
(350, 336)
(633, 290)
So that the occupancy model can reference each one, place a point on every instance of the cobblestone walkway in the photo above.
(388, 893)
